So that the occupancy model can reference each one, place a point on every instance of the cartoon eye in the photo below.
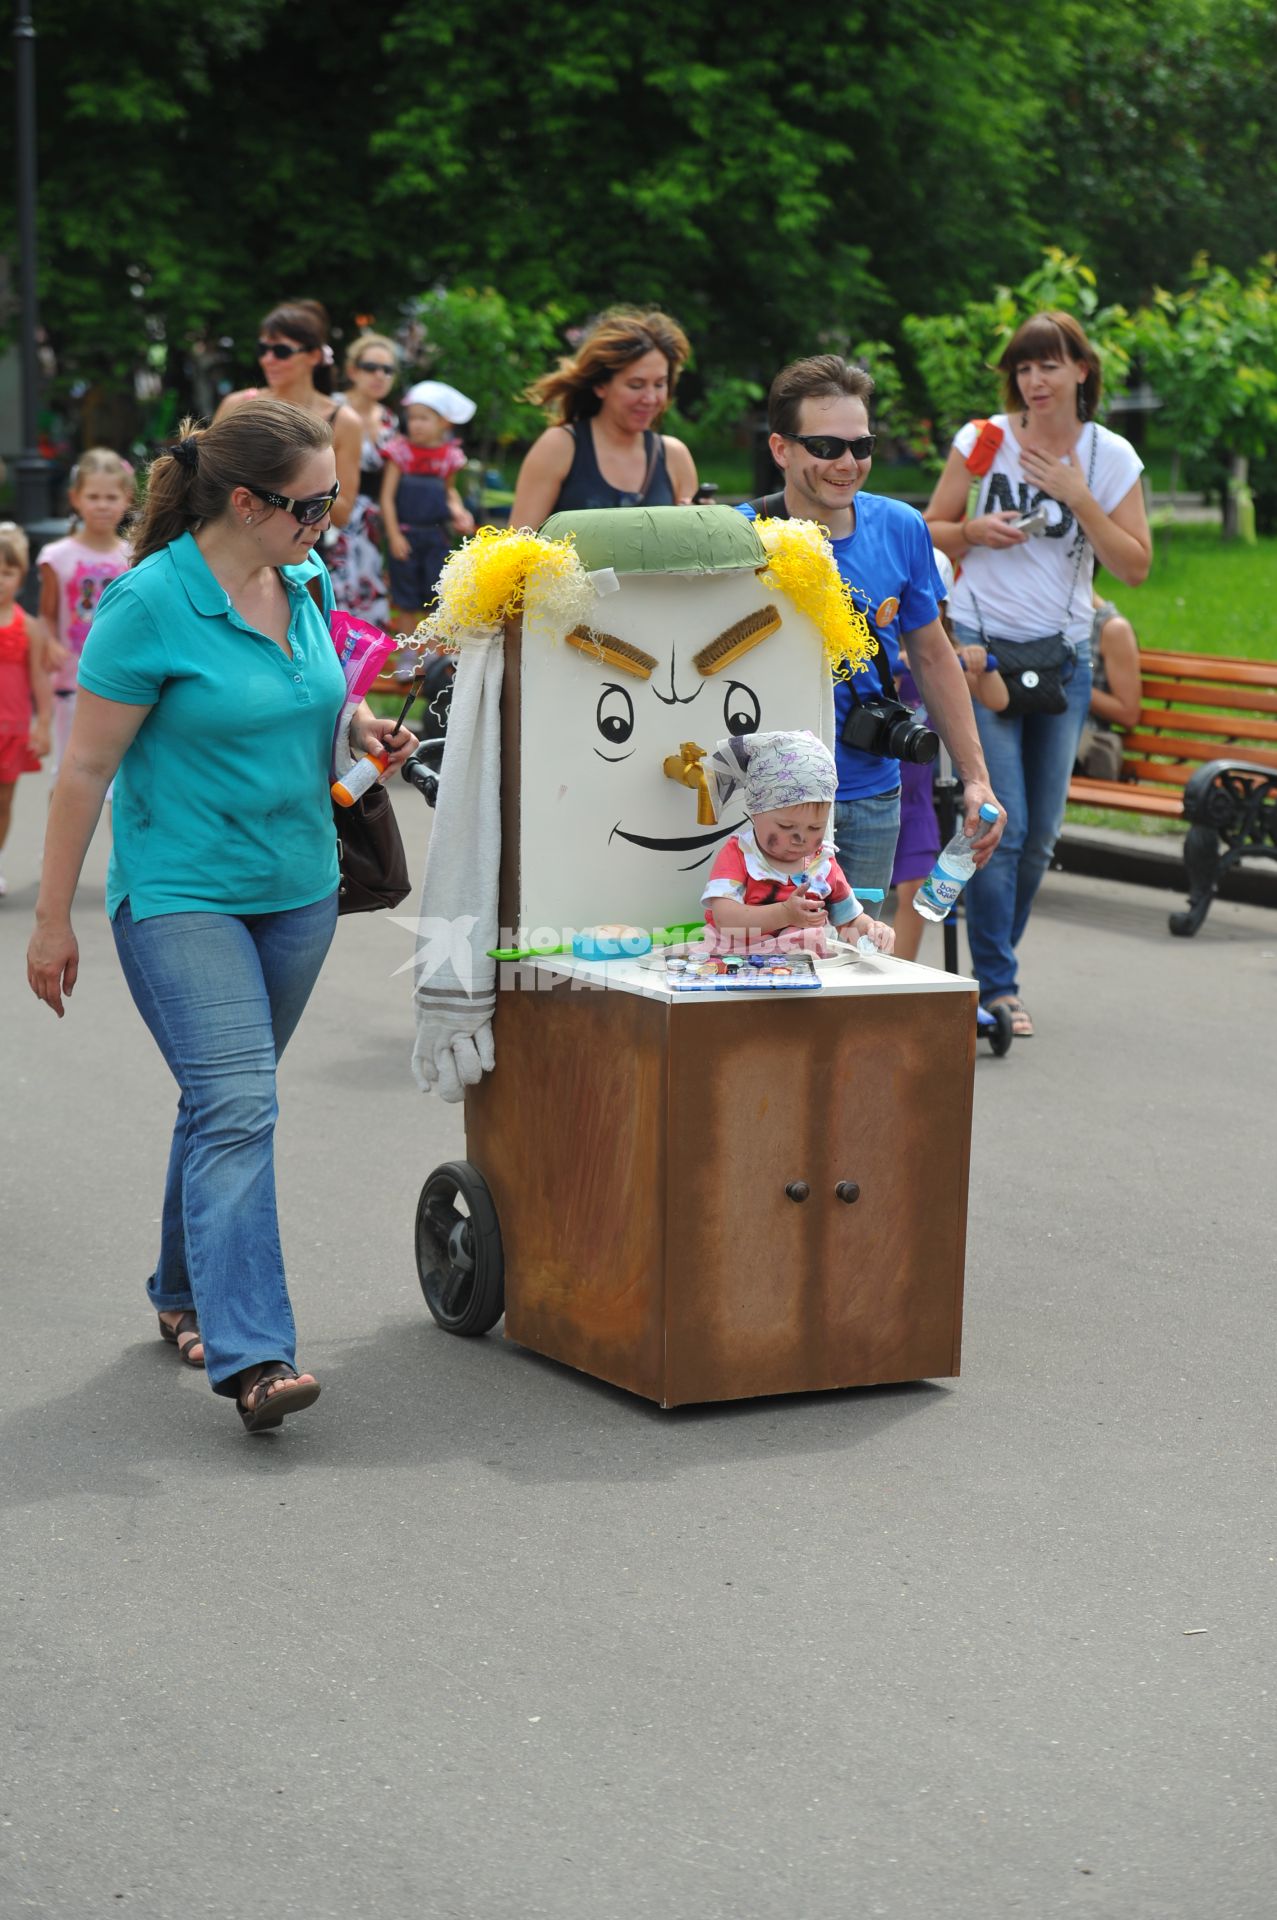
(614, 715)
(741, 710)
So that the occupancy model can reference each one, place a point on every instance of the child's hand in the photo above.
(882, 934)
(802, 910)
(40, 742)
(55, 654)
(462, 519)
(399, 546)
(974, 658)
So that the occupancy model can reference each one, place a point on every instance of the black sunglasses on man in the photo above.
(830, 446)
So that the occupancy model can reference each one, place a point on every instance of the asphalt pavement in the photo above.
(478, 1638)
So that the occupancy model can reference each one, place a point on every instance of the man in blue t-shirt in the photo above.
(818, 412)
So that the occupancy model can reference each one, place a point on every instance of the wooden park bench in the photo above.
(1204, 750)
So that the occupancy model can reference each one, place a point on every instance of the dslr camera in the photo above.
(890, 729)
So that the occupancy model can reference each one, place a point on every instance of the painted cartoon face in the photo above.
(604, 833)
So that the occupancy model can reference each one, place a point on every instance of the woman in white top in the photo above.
(1046, 453)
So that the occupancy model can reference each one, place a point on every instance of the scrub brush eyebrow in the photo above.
(616, 653)
(737, 639)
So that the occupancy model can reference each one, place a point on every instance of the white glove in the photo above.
(456, 1064)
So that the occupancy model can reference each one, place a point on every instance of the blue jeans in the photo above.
(866, 832)
(222, 995)
(1030, 760)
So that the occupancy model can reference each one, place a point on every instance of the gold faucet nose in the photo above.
(685, 767)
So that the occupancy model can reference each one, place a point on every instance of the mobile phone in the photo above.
(1034, 522)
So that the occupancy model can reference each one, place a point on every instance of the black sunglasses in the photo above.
(830, 446)
(281, 352)
(305, 512)
(374, 366)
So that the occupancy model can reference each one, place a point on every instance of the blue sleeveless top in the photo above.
(585, 486)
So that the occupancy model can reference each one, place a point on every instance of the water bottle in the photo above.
(951, 872)
(871, 899)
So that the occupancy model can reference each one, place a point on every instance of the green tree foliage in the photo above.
(782, 185)
(191, 174)
(667, 154)
(1211, 353)
(479, 341)
(1166, 140)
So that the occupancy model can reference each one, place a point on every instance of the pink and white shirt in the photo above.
(83, 574)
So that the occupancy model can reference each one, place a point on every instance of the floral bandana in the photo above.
(773, 770)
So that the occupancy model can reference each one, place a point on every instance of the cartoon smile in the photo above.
(693, 843)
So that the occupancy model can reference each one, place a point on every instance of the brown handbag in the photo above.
(370, 854)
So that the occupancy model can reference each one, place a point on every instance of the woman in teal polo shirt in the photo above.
(209, 689)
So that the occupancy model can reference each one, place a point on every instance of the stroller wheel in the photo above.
(1002, 1031)
(459, 1259)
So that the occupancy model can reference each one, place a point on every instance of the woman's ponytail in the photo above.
(169, 510)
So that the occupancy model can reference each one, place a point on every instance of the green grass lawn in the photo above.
(1204, 595)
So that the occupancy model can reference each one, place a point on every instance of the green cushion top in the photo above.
(660, 539)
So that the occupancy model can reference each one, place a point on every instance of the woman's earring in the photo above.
(1083, 411)
(248, 519)
(1024, 418)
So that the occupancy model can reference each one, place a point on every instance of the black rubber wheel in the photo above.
(459, 1259)
(1003, 1032)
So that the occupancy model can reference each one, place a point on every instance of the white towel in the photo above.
(455, 990)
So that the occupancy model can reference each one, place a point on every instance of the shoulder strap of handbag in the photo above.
(988, 438)
(771, 506)
(1077, 551)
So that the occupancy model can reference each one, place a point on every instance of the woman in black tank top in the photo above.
(605, 448)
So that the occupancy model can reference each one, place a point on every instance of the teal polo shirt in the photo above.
(221, 804)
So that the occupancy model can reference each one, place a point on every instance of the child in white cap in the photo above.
(419, 500)
(777, 878)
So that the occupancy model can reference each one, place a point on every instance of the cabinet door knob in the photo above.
(847, 1190)
(797, 1190)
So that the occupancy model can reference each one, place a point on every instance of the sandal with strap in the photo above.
(184, 1335)
(261, 1410)
(1021, 1020)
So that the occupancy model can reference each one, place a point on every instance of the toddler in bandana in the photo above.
(777, 880)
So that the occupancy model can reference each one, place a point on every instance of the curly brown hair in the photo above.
(618, 338)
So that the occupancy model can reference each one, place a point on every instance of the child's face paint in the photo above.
(792, 836)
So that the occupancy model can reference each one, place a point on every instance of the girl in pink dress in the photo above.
(25, 699)
(75, 571)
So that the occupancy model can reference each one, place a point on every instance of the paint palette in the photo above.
(778, 972)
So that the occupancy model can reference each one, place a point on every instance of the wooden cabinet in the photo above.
(644, 1154)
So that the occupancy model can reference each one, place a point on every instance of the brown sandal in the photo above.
(184, 1336)
(1021, 1020)
(260, 1410)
